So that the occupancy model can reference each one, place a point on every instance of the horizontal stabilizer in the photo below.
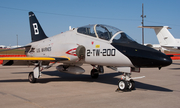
(17, 63)
(16, 48)
(153, 27)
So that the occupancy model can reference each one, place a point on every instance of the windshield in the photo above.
(105, 32)
(101, 31)
(122, 38)
(88, 30)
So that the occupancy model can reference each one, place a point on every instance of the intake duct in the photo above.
(80, 52)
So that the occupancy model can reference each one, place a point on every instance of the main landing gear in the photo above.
(33, 76)
(126, 83)
(96, 70)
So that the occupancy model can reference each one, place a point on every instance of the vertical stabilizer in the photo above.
(37, 32)
(163, 35)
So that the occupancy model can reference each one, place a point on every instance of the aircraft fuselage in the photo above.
(99, 51)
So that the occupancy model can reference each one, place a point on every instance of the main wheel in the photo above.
(31, 78)
(123, 85)
(131, 85)
(94, 73)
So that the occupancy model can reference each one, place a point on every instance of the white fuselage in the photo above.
(98, 51)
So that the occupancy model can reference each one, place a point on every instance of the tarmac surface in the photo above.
(159, 89)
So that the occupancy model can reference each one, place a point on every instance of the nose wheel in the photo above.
(131, 85)
(123, 85)
(126, 83)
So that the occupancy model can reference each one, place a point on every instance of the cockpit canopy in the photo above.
(105, 32)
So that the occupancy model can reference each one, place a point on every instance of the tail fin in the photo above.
(163, 34)
(37, 32)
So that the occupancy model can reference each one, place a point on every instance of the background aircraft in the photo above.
(165, 38)
(9, 47)
(2, 46)
(99, 45)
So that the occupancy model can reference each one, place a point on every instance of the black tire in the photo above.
(94, 73)
(131, 85)
(31, 78)
(123, 85)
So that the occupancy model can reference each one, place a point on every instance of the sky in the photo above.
(55, 16)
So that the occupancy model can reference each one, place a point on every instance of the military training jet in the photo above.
(97, 44)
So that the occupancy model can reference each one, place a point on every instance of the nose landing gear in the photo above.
(126, 83)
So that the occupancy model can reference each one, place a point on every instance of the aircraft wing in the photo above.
(36, 58)
(8, 61)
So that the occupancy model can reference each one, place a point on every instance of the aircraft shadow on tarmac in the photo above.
(176, 63)
(107, 78)
(175, 68)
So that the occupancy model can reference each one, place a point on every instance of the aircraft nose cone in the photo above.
(143, 56)
(149, 59)
(165, 61)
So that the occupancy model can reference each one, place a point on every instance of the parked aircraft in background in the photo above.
(9, 47)
(99, 45)
(15, 46)
(155, 46)
(2, 46)
(165, 38)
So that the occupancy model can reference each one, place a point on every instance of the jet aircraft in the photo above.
(97, 44)
(165, 38)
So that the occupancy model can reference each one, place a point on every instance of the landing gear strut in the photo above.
(126, 83)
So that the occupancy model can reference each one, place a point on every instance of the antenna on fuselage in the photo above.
(70, 28)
